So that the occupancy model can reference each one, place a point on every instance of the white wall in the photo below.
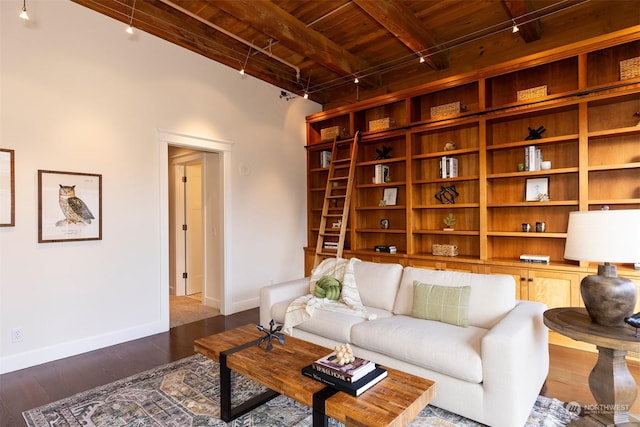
(77, 94)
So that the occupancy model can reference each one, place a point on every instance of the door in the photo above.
(189, 229)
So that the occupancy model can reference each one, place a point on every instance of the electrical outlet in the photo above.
(17, 335)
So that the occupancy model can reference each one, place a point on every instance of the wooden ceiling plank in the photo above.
(289, 31)
(529, 30)
(400, 21)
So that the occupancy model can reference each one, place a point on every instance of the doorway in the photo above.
(215, 156)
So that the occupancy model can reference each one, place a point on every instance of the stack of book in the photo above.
(331, 245)
(380, 174)
(532, 158)
(354, 378)
(448, 167)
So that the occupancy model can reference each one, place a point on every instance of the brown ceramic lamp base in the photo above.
(607, 297)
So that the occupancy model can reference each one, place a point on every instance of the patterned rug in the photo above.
(185, 393)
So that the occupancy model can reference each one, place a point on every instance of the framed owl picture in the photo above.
(69, 206)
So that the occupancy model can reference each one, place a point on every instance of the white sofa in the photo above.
(491, 371)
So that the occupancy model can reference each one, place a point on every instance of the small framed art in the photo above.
(536, 189)
(7, 188)
(390, 196)
(69, 206)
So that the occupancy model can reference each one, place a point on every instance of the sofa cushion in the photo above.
(449, 304)
(492, 295)
(438, 346)
(329, 324)
(378, 283)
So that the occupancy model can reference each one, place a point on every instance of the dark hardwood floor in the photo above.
(36, 386)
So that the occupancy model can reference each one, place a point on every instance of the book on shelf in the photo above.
(380, 174)
(356, 388)
(349, 372)
(532, 158)
(325, 159)
(391, 249)
(448, 167)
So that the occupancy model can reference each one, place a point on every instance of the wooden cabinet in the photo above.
(553, 288)
(591, 138)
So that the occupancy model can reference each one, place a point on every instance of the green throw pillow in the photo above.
(449, 304)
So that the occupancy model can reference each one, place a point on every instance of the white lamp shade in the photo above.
(604, 235)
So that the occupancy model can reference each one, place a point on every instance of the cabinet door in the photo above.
(555, 289)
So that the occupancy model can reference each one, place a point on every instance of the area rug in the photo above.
(184, 309)
(185, 393)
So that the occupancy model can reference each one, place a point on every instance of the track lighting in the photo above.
(23, 12)
(129, 29)
(422, 59)
(246, 60)
(306, 95)
(285, 95)
(356, 81)
(515, 27)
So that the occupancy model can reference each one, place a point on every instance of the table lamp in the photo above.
(605, 236)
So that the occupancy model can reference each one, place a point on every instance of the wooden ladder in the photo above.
(337, 198)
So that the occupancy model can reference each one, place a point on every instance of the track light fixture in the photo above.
(422, 59)
(23, 12)
(246, 60)
(356, 81)
(287, 96)
(515, 26)
(129, 29)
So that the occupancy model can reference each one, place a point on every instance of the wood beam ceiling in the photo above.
(400, 21)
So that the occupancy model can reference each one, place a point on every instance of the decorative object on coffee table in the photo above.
(270, 335)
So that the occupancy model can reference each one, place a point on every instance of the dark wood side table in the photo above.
(610, 381)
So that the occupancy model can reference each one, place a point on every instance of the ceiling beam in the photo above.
(529, 29)
(400, 21)
(270, 19)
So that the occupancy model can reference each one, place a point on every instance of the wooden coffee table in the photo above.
(395, 401)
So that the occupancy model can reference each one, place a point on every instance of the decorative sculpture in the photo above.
(447, 194)
(344, 354)
(535, 133)
(451, 145)
(449, 221)
(635, 322)
(383, 153)
(270, 335)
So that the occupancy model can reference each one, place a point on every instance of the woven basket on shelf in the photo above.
(444, 250)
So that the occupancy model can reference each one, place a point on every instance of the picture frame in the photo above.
(390, 196)
(69, 206)
(7, 188)
(536, 189)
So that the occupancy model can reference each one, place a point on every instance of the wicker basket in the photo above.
(630, 68)
(444, 250)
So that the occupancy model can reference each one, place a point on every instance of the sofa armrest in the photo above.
(515, 360)
(285, 291)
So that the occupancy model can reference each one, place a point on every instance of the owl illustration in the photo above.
(74, 209)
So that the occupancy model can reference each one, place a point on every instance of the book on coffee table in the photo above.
(349, 372)
(355, 388)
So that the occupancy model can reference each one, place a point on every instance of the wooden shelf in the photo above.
(591, 138)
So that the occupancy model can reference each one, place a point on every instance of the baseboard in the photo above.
(28, 359)
(247, 304)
